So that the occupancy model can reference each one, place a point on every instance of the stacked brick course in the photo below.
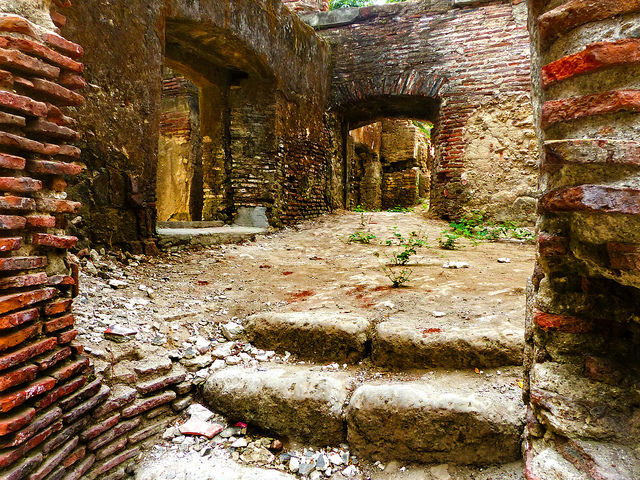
(460, 57)
(58, 418)
(582, 328)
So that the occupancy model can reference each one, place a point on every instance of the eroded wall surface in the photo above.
(582, 330)
(267, 83)
(451, 65)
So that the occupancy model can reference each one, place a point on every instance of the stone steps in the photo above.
(403, 343)
(454, 417)
(170, 237)
(333, 337)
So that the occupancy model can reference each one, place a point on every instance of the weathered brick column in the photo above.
(583, 336)
(44, 378)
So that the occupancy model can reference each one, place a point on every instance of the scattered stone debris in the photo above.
(455, 265)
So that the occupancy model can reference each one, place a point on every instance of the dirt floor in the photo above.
(168, 299)
(178, 299)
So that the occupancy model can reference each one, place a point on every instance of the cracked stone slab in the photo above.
(405, 344)
(332, 336)
(294, 401)
(460, 418)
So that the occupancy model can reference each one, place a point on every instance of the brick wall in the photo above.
(582, 330)
(59, 418)
(459, 58)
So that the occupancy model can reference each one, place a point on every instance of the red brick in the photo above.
(57, 206)
(114, 447)
(62, 96)
(11, 202)
(14, 338)
(574, 13)
(149, 431)
(20, 471)
(115, 432)
(40, 221)
(101, 427)
(55, 241)
(81, 395)
(15, 399)
(70, 369)
(594, 57)
(16, 421)
(18, 318)
(77, 348)
(574, 108)
(41, 51)
(62, 280)
(58, 19)
(25, 353)
(17, 376)
(552, 245)
(588, 151)
(160, 383)
(22, 263)
(122, 396)
(115, 461)
(81, 469)
(12, 222)
(20, 184)
(72, 81)
(54, 459)
(15, 301)
(67, 337)
(21, 281)
(13, 120)
(58, 306)
(15, 60)
(78, 454)
(51, 167)
(11, 243)
(22, 143)
(69, 151)
(43, 128)
(62, 391)
(7, 457)
(563, 323)
(596, 198)
(41, 421)
(146, 404)
(17, 24)
(12, 162)
(64, 45)
(87, 406)
(52, 358)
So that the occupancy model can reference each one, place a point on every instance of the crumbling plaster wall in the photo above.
(395, 59)
(278, 66)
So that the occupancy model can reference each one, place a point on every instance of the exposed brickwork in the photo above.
(581, 324)
(454, 59)
(51, 401)
(306, 6)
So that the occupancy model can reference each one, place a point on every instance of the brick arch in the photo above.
(410, 83)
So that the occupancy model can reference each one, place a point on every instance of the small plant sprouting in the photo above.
(447, 240)
(361, 237)
(398, 276)
(476, 228)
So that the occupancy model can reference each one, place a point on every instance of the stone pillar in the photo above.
(583, 332)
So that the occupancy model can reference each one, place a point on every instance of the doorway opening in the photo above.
(389, 164)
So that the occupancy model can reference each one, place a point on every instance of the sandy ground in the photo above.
(309, 267)
(172, 299)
